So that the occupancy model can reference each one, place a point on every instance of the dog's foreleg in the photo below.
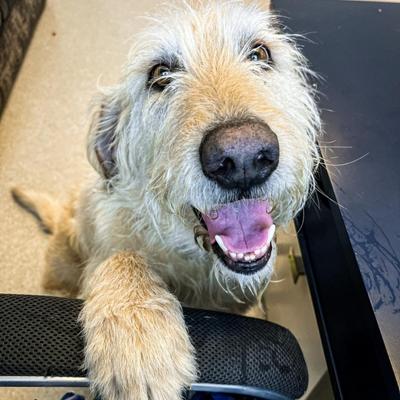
(137, 346)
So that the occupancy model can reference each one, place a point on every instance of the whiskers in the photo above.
(328, 164)
(330, 147)
(328, 150)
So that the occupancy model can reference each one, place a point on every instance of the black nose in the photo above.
(239, 155)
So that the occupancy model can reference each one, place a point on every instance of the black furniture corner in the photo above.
(41, 345)
(352, 252)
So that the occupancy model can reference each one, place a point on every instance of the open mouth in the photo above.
(241, 234)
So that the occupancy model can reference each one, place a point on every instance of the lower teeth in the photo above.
(247, 257)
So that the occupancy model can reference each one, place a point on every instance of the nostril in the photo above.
(226, 166)
(264, 159)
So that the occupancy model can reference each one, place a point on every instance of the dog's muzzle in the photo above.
(239, 155)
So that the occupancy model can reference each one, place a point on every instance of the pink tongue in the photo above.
(242, 225)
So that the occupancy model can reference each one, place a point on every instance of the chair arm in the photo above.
(41, 345)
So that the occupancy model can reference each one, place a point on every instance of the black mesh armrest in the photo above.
(41, 344)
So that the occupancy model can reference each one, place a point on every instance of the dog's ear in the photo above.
(103, 138)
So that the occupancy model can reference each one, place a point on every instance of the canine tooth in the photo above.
(221, 244)
(257, 252)
(232, 254)
(271, 233)
(240, 256)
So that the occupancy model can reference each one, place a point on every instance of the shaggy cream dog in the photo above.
(204, 147)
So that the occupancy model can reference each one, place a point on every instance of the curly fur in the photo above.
(130, 234)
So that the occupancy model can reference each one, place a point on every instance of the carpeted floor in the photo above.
(43, 128)
(42, 135)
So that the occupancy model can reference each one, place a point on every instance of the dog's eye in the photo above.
(160, 76)
(260, 53)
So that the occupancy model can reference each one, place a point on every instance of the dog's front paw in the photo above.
(137, 345)
(145, 357)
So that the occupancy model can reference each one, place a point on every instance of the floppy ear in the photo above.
(103, 138)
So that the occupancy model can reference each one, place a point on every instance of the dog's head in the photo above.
(214, 121)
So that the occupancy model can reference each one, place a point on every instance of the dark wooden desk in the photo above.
(352, 251)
